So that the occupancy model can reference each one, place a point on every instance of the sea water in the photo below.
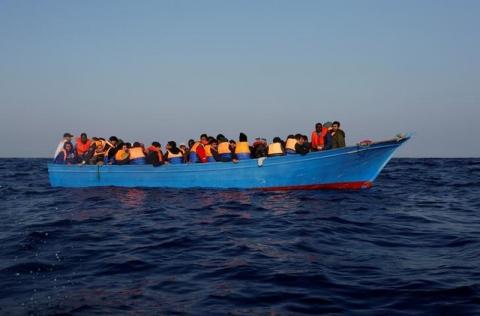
(409, 245)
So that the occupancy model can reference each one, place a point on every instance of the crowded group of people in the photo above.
(99, 151)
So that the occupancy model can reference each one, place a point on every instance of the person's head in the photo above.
(301, 140)
(113, 140)
(83, 137)
(68, 146)
(221, 138)
(277, 140)
(318, 127)
(336, 125)
(67, 137)
(243, 137)
(232, 143)
(128, 145)
(182, 147)
(305, 138)
(211, 139)
(290, 136)
(156, 144)
(171, 144)
(137, 144)
(191, 142)
(298, 136)
(204, 139)
(214, 144)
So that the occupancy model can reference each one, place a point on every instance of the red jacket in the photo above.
(202, 155)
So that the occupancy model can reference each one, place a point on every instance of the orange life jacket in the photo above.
(208, 150)
(275, 148)
(81, 147)
(291, 142)
(194, 147)
(136, 152)
(319, 140)
(224, 148)
(242, 148)
(121, 155)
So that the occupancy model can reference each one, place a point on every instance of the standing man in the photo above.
(318, 137)
(338, 135)
(67, 138)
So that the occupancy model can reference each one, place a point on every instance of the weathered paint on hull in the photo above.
(346, 168)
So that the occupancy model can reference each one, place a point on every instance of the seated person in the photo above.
(122, 155)
(66, 156)
(214, 151)
(290, 144)
(154, 155)
(259, 148)
(67, 137)
(302, 146)
(111, 147)
(275, 148)
(82, 145)
(137, 154)
(211, 150)
(242, 148)
(174, 154)
(99, 153)
(224, 148)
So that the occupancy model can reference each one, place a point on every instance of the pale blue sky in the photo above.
(163, 70)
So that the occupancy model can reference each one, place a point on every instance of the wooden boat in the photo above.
(354, 167)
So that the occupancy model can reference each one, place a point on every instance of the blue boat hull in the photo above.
(353, 167)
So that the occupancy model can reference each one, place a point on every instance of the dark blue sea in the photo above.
(410, 245)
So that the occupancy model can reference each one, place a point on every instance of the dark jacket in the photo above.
(328, 141)
(302, 149)
(153, 159)
(338, 139)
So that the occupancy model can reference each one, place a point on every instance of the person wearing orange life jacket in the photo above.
(82, 145)
(275, 148)
(98, 155)
(224, 150)
(154, 155)
(242, 148)
(174, 154)
(290, 145)
(318, 137)
(137, 154)
(210, 152)
(197, 151)
(122, 155)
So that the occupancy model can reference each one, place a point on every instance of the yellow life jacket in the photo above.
(136, 152)
(194, 147)
(224, 148)
(172, 155)
(275, 148)
(291, 142)
(208, 151)
(121, 155)
(242, 148)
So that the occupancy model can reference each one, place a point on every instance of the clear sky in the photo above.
(170, 70)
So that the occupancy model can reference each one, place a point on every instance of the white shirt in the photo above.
(59, 148)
